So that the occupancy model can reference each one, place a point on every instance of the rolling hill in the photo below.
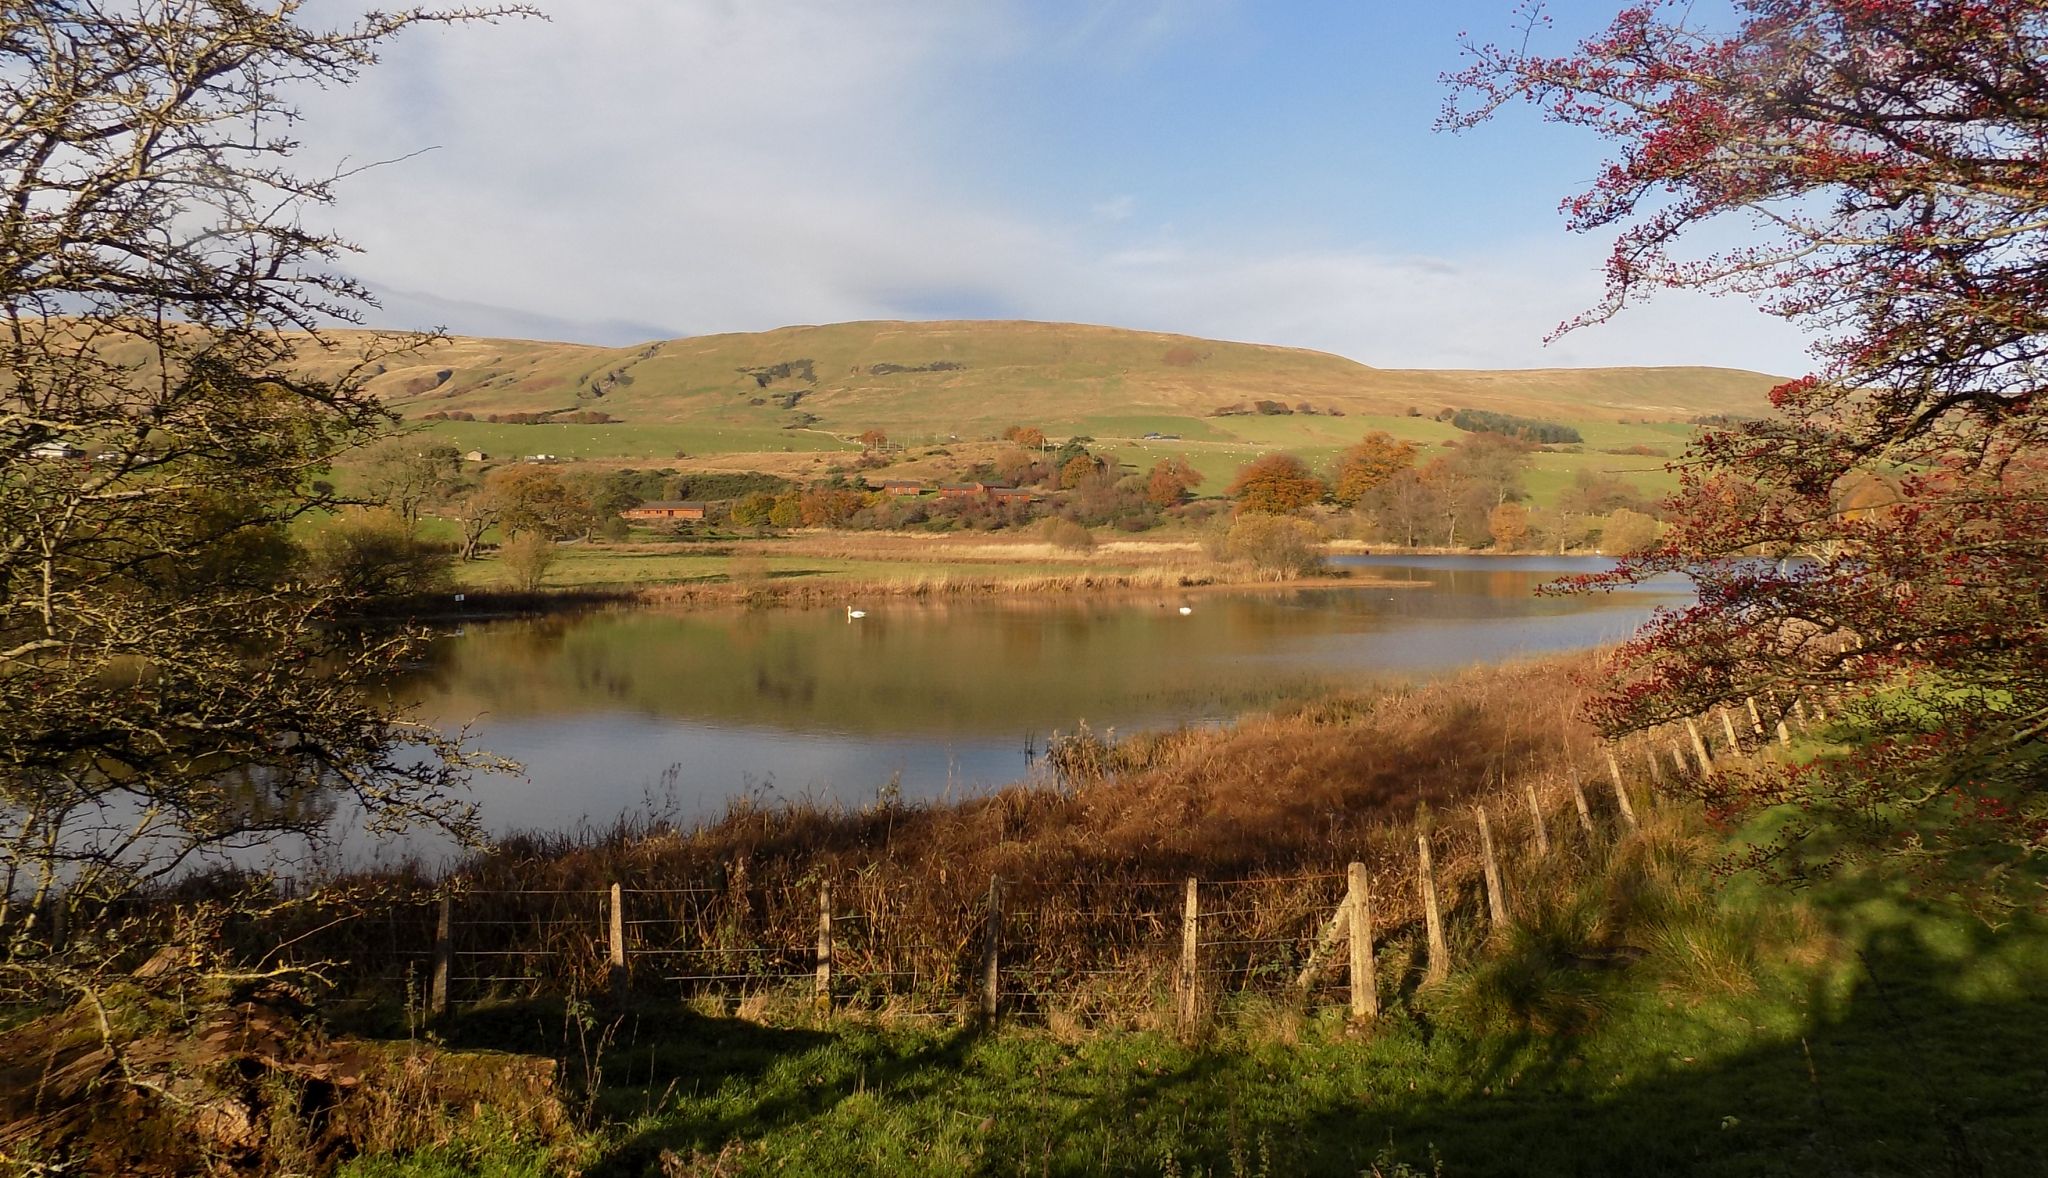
(792, 401)
(956, 377)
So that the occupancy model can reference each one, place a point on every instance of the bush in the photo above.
(374, 554)
(527, 556)
(1278, 544)
(1065, 533)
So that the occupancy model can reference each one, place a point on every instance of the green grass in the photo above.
(1904, 1038)
(650, 441)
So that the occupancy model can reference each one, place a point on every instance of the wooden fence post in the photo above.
(1656, 767)
(991, 947)
(1433, 917)
(1585, 811)
(1728, 726)
(1628, 812)
(1190, 956)
(824, 982)
(1756, 719)
(1784, 735)
(1365, 991)
(1799, 714)
(1820, 711)
(1536, 821)
(444, 956)
(1496, 895)
(617, 942)
(1699, 748)
(1678, 759)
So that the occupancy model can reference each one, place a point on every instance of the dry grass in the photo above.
(1266, 813)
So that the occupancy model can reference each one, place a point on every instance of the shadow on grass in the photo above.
(719, 1050)
(1930, 1058)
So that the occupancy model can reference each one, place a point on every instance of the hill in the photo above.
(918, 377)
(794, 399)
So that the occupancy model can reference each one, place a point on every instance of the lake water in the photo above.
(947, 696)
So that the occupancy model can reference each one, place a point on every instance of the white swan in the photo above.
(852, 613)
(1186, 610)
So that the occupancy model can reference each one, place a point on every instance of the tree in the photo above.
(534, 498)
(1028, 436)
(873, 439)
(405, 474)
(1367, 466)
(527, 556)
(1405, 507)
(170, 685)
(1276, 484)
(476, 511)
(1893, 159)
(1508, 523)
(1625, 531)
(1494, 463)
(374, 554)
(1076, 469)
(1170, 481)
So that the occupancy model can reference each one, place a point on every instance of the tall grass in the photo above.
(1092, 862)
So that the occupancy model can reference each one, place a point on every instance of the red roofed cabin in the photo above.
(664, 511)
(901, 487)
(963, 490)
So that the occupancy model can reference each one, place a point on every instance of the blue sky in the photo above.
(1264, 172)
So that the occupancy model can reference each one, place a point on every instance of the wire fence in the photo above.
(932, 945)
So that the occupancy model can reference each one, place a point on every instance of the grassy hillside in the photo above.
(921, 377)
(794, 399)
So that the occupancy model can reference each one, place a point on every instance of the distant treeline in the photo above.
(1481, 421)
(551, 417)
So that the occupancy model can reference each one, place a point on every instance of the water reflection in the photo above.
(945, 695)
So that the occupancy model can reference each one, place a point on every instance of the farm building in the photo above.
(901, 487)
(665, 511)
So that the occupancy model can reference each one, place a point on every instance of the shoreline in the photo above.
(488, 603)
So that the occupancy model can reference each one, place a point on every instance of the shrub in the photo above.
(527, 556)
(1065, 533)
(374, 554)
(1277, 544)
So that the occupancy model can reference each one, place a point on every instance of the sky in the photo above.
(1264, 171)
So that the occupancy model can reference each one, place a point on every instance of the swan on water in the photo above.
(852, 613)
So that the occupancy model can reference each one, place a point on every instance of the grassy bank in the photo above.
(1638, 1015)
(1643, 1020)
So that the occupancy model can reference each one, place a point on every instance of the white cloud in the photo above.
(712, 165)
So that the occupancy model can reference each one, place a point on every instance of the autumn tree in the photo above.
(873, 439)
(1367, 465)
(171, 684)
(1275, 484)
(1891, 159)
(536, 498)
(1170, 481)
(1028, 436)
(1508, 524)
(1076, 469)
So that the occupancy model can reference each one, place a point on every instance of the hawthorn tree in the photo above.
(1276, 484)
(172, 690)
(1170, 480)
(1889, 159)
(1367, 465)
